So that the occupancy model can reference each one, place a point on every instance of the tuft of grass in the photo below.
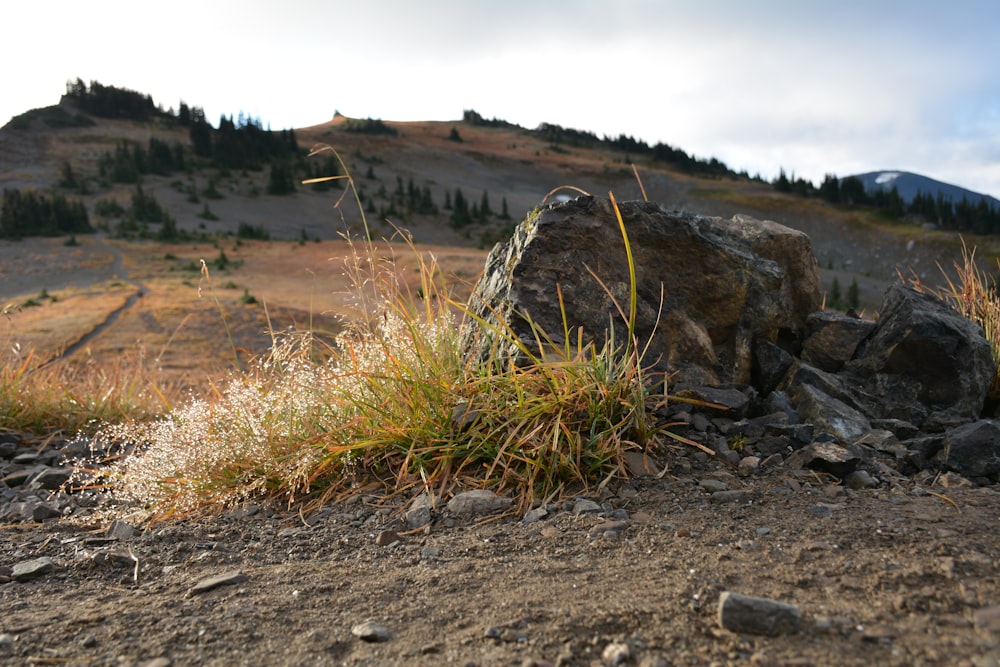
(391, 403)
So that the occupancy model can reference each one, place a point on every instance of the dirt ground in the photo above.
(906, 574)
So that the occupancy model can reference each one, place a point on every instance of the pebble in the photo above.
(32, 569)
(616, 653)
(419, 512)
(585, 506)
(860, 479)
(749, 465)
(387, 537)
(535, 515)
(211, 583)
(370, 631)
(713, 485)
(723, 497)
(757, 616)
(120, 530)
(478, 502)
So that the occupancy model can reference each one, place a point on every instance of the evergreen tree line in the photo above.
(111, 102)
(659, 152)
(31, 213)
(130, 161)
(368, 126)
(237, 144)
(979, 217)
(474, 118)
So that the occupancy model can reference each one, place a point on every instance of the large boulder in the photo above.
(726, 287)
(924, 363)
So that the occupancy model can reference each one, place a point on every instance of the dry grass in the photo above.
(391, 402)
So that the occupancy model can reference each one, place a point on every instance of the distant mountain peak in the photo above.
(909, 185)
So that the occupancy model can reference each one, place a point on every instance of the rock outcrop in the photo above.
(708, 289)
(730, 308)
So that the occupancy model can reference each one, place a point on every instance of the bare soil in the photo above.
(898, 575)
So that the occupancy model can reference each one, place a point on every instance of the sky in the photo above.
(813, 87)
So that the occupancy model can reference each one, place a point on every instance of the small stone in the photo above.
(535, 515)
(585, 506)
(724, 497)
(31, 569)
(227, 579)
(616, 653)
(44, 512)
(387, 537)
(640, 464)
(610, 530)
(713, 485)
(370, 631)
(860, 479)
(121, 530)
(749, 465)
(419, 512)
(757, 616)
(478, 502)
(18, 477)
(51, 478)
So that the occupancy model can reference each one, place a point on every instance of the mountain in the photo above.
(909, 185)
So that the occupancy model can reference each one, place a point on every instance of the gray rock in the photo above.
(713, 485)
(616, 653)
(832, 338)
(535, 515)
(829, 414)
(51, 478)
(724, 497)
(749, 465)
(387, 537)
(478, 502)
(370, 631)
(726, 284)
(211, 583)
(121, 530)
(923, 362)
(586, 506)
(757, 616)
(826, 456)
(860, 479)
(32, 569)
(43, 511)
(419, 512)
(973, 450)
